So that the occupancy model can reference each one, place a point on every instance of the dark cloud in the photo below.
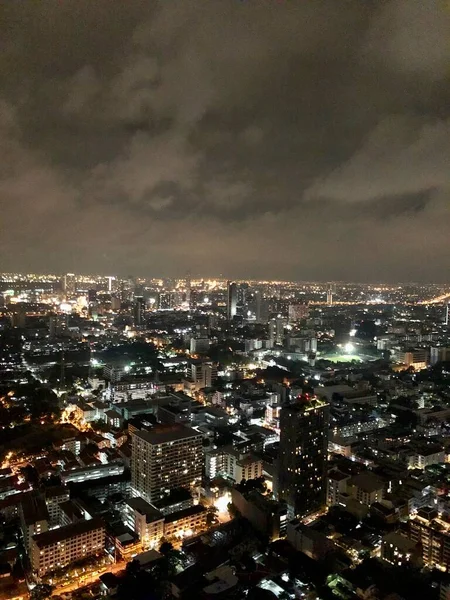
(273, 139)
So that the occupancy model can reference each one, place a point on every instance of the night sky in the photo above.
(295, 139)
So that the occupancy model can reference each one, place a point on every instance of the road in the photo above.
(89, 578)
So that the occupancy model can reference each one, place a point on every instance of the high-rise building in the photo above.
(298, 311)
(165, 458)
(188, 290)
(69, 284)
(112, 284)
(433, 534)
(34, 517)
(331, 289)
(276, 330)
(231, 299)
(138, 311)
(166, 300)
(261, 307)
(302, 461)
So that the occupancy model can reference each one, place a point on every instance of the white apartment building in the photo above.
(60, 547)
(165, 458)
(145, 520)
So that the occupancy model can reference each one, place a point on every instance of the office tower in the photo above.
(52, 326)
(446, 322)
(69, 285)
(241, 300)
(188, 291)
(298, 312)
(331, 289)
(165, 458)
(127, 289)
(260, 307)
(112, 284)
(302, 460)
(138, 311)
(330, 295)
(165, 300)
(231, 299)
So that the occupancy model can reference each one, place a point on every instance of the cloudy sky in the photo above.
(300, 139)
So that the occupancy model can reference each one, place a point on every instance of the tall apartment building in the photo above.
(34, 517)
(433, 534)
(54, 496)
(165, 458)
(302, 460)
(60, 547)
(231, 299)
(298, 311)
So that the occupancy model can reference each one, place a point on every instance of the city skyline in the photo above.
(172, 137)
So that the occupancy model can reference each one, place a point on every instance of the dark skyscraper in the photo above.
(138, 308)
(302, 461)
(231, 300)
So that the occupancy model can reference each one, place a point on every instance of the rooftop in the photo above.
(145, 508)
(55, 491)
(337, 475)
(368, 482)
(162, 434)
(34, 509)
(187, 512)
(69, 531)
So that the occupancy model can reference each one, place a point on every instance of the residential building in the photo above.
(304, 539)
(185, 523)
(59, 548)
(266, 515)
(366, 488)
(336, 485)
(165, 458)
(433, 535)
(302, 460)
(398, 549)
(34, 517)
(54, 496)
(145, 520)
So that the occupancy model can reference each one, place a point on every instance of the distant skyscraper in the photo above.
(276, 330)
(231, 299)
(165, 458)
(446, 321)
(188, 291)
(138, 311)
(69, 284)
(302, 461)
(330, 294)
(298, 311)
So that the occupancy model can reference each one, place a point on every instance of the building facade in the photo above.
(302, 461)
(60, 547)
(165, 458)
